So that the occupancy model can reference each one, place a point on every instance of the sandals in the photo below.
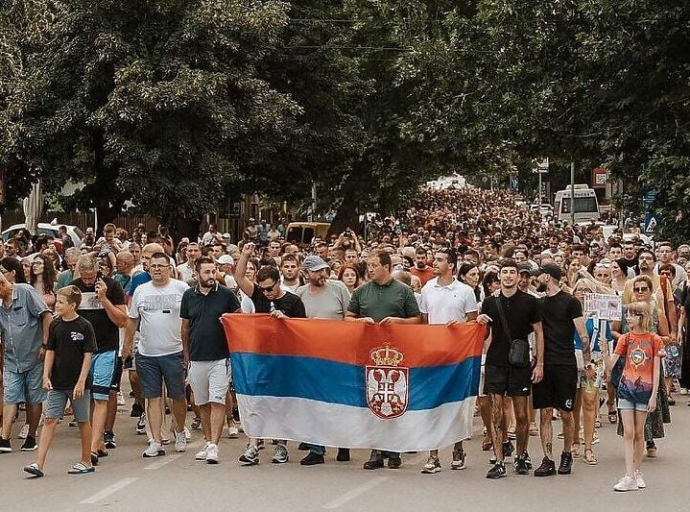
(575, 450)
(33, 470)
(613, 417)
(487, 445)
(590, 459)
(80, 469)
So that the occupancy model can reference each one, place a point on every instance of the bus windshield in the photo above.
(582, 205)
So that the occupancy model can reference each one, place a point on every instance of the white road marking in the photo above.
(112, 489)
(163, 461)
(355, 493)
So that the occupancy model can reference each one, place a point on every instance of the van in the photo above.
(305, 232)
(586, 204)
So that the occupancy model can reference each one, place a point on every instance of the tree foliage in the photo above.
(176, 104)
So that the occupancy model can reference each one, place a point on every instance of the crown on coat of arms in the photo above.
(386, 356)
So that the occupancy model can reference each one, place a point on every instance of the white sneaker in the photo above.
(233, 432)
(187, 434)
(433, 465)
(212, 454)
(627, 483)
(24, 431)
(153, 450)
(180, 442)
(639, 480)
(203, 453)
(120, 398)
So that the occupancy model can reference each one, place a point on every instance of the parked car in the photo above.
(45, 228)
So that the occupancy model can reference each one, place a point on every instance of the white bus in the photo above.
(586, 204)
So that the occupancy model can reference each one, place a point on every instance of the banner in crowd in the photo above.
(350, 384)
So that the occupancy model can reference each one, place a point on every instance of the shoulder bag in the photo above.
(518, 353)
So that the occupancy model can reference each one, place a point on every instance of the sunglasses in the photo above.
(267, 289)
(158, 267)
(665, 273)
(641, 290)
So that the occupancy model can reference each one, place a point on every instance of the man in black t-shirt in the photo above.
(103, 305)
(268, 297)
(521, 312)
(561, 314)
(205, 350)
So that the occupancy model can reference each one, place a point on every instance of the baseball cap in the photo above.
(525, 267)
(225, 259)
(314, 263)
(551, 269)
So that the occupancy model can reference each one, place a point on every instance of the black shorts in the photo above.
(557, 388)
(507, 380)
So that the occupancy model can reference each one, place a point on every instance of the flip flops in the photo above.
(33, 470)
(80, 469)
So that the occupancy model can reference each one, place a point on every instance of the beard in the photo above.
(542, 287)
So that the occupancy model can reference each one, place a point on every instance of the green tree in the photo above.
(158, 102)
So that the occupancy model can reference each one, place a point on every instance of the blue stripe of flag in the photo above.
(341, 383)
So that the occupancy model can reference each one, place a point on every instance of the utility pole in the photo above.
(572, 194)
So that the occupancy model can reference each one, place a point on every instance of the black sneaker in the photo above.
(547, 468)
(312, 459)
(566, 465)
(521, 464)
(498, 471)
(5, 446)
(109, 440)
(303, 447)
(343, 455)
(508, 450)
(375, 460)
(29, 444)
(137, 410)
(394, 462)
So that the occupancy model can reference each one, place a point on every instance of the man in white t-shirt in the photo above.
(446, 301)
(155, 308)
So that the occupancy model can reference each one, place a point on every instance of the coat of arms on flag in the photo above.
(387, 383)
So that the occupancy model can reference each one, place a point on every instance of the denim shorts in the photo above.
(153, 371)
(57, 401)
(627, 404)
(103, 367)
(24, 387)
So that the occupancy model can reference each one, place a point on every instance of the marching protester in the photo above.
(267, 296)
(637, 389)
(66, 376)
(446, 301)
(512, 315)
(561, 316)
(383, 300)
(205, 351)
(322, 298)
(155, 310)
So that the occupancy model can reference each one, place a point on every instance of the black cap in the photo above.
(551, 269)
(524, 267)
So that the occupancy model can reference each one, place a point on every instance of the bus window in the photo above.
(294, 235)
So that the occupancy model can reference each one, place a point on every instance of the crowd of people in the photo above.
(75, 319)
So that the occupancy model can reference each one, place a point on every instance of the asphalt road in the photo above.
(126, 481)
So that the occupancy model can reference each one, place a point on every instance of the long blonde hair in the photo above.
(644, 310)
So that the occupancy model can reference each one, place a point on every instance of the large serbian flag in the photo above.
(349, 384)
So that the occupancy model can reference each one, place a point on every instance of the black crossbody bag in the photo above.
(518, 353)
